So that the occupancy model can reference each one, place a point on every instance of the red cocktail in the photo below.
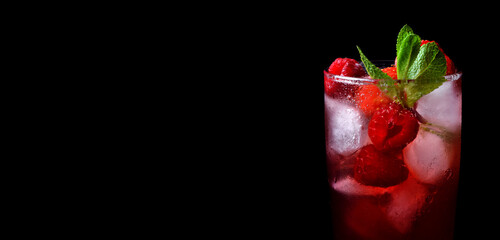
(393, 133)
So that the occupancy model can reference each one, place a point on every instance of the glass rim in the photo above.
(368, 80)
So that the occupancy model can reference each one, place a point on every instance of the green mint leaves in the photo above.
(420, 69)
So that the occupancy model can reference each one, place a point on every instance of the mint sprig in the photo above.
(420, 69)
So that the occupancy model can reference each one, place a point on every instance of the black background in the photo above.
(272, 111)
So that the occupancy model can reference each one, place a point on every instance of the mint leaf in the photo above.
(388, 85)
(407, 51)
(429, 62)
(403, 33)
(428, 72)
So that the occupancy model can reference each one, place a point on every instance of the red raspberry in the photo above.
(381, 169)
(391, 71)
(369, 99)
(346, 67)
(339, 89)
(450, 66)
(392, 127)
(343, 67)
(427, 41)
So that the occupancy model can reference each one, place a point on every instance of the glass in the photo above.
(413, 197)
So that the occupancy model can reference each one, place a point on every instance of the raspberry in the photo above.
(391, 71)
(392, 127)
(339, 89)
(343, 67)
(381, 169)
(337, 66)
(369, 99)
(346, 67)
(450, 66)
(427, 41)
(352, 69)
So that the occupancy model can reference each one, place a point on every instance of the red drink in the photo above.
(393, 158)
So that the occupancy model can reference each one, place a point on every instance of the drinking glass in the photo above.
(420, 204)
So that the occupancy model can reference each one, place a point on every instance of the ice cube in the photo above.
(443, 106)
(430, 157)
(346, 126)
(350, 186)
(408, 199)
